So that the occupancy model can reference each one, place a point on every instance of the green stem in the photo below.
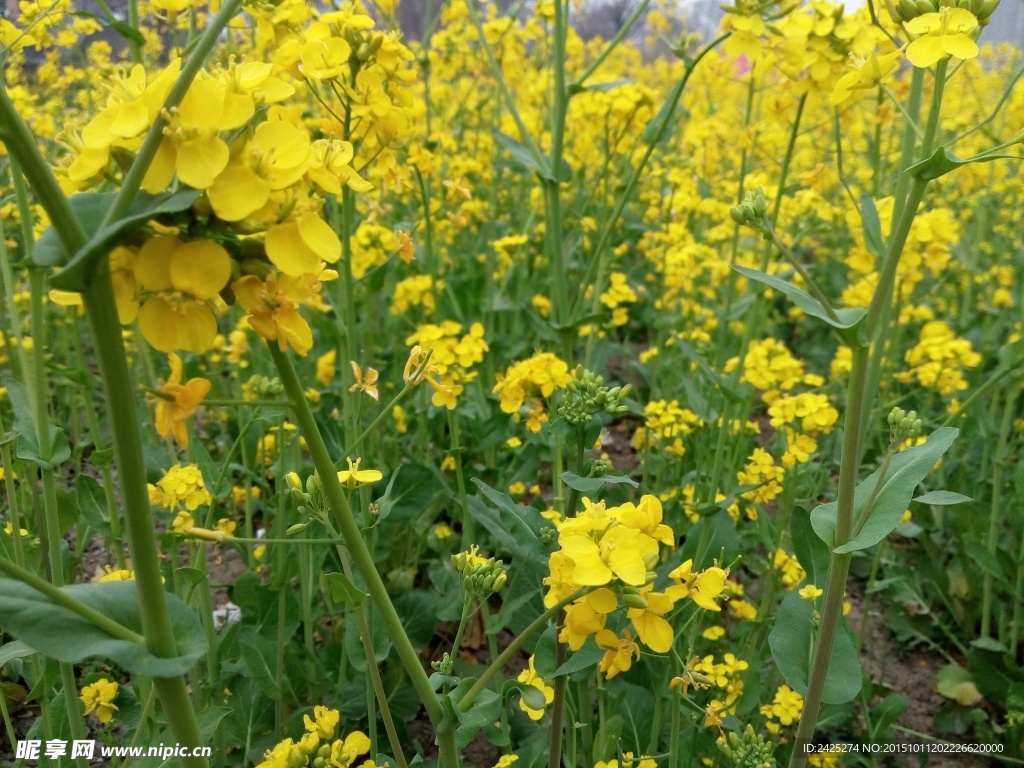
(832, 614)
(468, 538)
(353, 536)
(499, 663)
(105, 327)
(995, 515)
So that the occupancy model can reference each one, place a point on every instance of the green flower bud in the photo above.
(634, 600)
(296, 529)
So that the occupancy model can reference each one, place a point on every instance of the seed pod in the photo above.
(634, 600)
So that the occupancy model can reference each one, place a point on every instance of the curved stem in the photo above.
(353, 536)
(498, 664)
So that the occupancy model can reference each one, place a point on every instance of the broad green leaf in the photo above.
(93, 503)
(811, 552)
(997, 680)
(586, 657)
(515, 526)
(954, 682)
(59, 633)
(846, 318)
(14, 650)
(411, 489)
(943, 498)
(260, 660)
(91, 208)
(25, 427)
(341, 589)
(380, 642)
(594, 484)
(485, 709)
(872, 225)
(418, 610)
(907, 468)
(790, 641)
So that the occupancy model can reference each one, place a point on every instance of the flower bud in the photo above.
(296, 529)
(634, 600)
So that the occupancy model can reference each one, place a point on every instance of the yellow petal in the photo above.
(960, 45)
(319, 237)
(237, 192)
(925, 51)
(200, 268)
(288, 251)
(200, 160)
(153, 264)
(161, 171)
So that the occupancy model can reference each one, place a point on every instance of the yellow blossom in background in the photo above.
(811, 592)
(99, 697)
(364, 382)
(177, 402)
(354, 476)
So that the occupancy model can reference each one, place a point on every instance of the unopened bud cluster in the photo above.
(752, 212)
(903, 425)
(265, 388)
(750, 750)
(480, 577)
(904, 10)
(309, 500)
(587, 396)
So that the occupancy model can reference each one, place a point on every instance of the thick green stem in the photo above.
(839, 567)
(105, 327)
(996, 511)
(499, 663)
(353, 536)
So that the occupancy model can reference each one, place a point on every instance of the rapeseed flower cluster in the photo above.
(529, 383)
(614, 551)
(319, 747)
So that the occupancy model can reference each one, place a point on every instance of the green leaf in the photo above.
(871, 225)
(418, 609)
(790, 641)
(208, 468)
(341, 589)
(91, 208)
(93, 503)
(586, 657)
(260, 660)
(532, 696)
(524, 156)
(665, 115)
(943, 161)
(956, 683)
(380, 642)
(847, 319)
(61, 634)
(14, 650)
(25, 427)
(811, 552)
(943, 498)
(485, 709)
(907, 468)
(411, 489)
(515, 526)
(594, 484)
